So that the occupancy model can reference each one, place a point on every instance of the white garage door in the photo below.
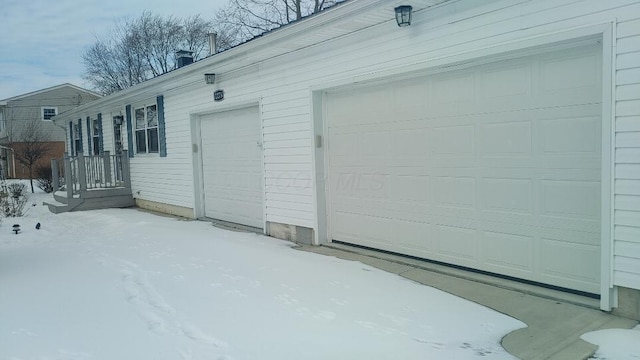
(494, 167)
(232, 166)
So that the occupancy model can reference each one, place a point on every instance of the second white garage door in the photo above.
(232, 166)
(494, 167)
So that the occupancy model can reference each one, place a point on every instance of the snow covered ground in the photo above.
(125, 284)
(615, 344)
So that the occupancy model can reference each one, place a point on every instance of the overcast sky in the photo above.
(42, 41)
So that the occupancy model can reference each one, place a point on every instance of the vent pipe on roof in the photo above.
(213, 48)
(184, 57)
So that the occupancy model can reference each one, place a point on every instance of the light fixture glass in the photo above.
(403, 15)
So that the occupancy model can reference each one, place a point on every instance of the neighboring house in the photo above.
(36, 110)
(499, 136)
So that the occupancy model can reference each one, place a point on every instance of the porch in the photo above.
(90, 182)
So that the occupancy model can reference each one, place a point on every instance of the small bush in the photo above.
(44, 178)
(17, 190)
(13, 198)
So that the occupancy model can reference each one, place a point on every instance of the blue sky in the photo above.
(42, 41)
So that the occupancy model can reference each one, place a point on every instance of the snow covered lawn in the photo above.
(125, 284)
(615, 344)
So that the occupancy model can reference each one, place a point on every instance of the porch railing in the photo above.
(77, 174)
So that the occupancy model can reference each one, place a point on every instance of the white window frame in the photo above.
(43, 108)
(95, 137)
(77, 139)
(147, 130)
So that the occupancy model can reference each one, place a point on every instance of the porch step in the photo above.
(56, 207)
(91, 200)
(61, 197)
(95, 203)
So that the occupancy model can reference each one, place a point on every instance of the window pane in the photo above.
(141, 142)
(153, 140)
(96, 130)
(96, 145)
(48, 113)
(140, 118)
(152, 116)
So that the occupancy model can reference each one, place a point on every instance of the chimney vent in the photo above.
(213, 47)
(184, 57)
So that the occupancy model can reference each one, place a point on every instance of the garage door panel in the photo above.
(505, 139)
(571, 199)
(513, 252)
(370, 227)
(500, 85)
(565, 260)
(410, 100)
(232, 166)
(411, 188)
(452, 93)
(453, 140)
(415, 236)
(456, 242)
(571, 135)
(491, 170)
(507, 195)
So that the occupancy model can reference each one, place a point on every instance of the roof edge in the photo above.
(55, 87)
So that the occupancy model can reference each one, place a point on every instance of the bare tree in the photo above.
(242, 20)
(31, 146)
(141, 48)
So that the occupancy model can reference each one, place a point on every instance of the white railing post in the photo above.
(126, 177)
(82, 172)
(106, 161)
(68, 176)
(55, 180)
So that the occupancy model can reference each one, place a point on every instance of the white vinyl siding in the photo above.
(626, 252)
(166, 180)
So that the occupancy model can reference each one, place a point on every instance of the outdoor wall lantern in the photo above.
(403, 15)
(209, 78)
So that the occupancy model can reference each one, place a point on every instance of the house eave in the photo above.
(261, 48)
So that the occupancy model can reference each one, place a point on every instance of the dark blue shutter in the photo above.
(89, 149)
(100, 141)
(80, 145)
(71, 152)
(162, 136)
(129, 130)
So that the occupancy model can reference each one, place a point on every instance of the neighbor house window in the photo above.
(49, 112)
(146, 129)
(2, 125)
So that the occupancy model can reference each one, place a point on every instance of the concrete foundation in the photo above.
(628, 303)
(165, 208)
(297, 234)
